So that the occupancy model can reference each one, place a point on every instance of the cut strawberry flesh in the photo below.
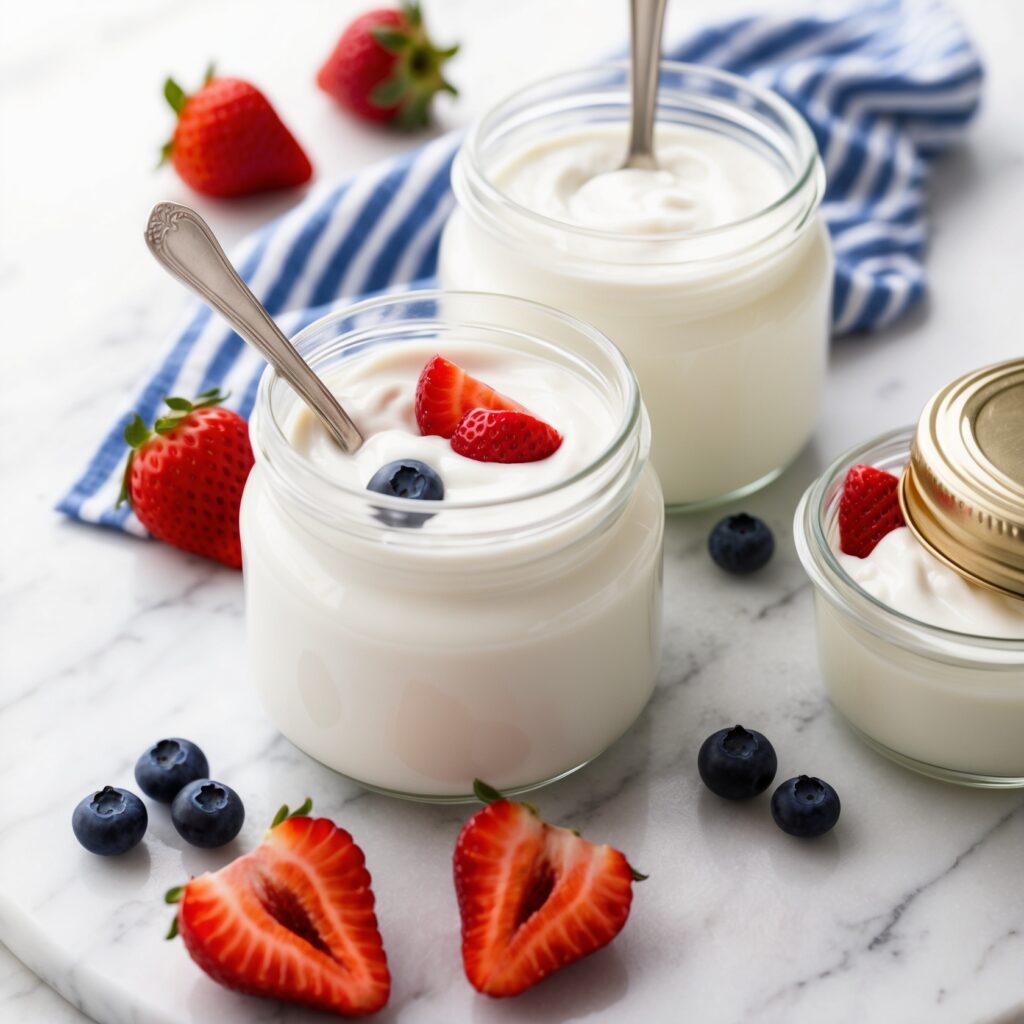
(533, 898)
(445, 393)
(292, 920)
(868, 509)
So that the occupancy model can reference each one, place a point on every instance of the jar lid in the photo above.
(962, 492)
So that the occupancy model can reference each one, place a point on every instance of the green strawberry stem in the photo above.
(284, 813)
(488, 795)
(173, 896)
(484, 793)
(417, 75)
(176, 98)
(137, 434)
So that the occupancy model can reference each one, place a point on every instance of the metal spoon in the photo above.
(645, 23)
(182, 241)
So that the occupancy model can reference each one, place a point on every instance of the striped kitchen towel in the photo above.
(886, 85)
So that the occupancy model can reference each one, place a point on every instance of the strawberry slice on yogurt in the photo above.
(868, 509)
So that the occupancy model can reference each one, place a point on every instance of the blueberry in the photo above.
(167, 766)
(207, 813)
(110, 821)
(805, 807)
(737, 763)
(741, 544)
(407, 478)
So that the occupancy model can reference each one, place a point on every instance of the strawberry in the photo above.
(385, 68)
(868, 509)
(292, 920)
(533, 898)
(229, 140)
(184, 478)
(445, 393)
(504, 437)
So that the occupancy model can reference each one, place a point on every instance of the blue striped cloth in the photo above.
(886, 85)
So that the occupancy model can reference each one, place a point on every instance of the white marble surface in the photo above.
(913, 910)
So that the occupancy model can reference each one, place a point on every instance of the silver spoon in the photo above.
(182, 241)
(645, 23)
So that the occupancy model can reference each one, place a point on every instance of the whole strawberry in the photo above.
(385, 67)
(184, 478)
(229, 140)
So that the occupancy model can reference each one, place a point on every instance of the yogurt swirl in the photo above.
(902, 574)
(703, 181)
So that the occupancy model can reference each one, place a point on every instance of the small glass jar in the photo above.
(511, 640)
(727, 329)
(949, 705)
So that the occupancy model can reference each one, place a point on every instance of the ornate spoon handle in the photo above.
(182, 241)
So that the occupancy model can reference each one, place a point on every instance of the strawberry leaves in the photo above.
(283, 813)
(417, 75)
(137, 434)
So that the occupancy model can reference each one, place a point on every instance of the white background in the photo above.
(84, 308)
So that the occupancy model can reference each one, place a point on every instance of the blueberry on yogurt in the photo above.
(110, 821)
(406, 478)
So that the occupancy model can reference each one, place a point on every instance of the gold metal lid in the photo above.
(962, 492)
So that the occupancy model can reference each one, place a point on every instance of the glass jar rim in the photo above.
(795, 124)
(826, 572)
(298, 467)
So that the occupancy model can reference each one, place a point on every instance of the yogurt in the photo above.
(703, 181)
(378, 391)
(906, 577)
(512, 635)
(926, 666)
(712, 273)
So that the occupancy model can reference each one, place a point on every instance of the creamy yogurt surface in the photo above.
(378, 390)
(704, 180)
(902, 574)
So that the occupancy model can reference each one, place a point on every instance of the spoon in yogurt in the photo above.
(186, 247)
(645, 24)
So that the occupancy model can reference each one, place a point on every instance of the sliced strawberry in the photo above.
(504, 437)
(868, 509)
(533, 898)
(445, 393)
(292, 920)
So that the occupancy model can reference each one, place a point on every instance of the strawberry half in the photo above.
(504, 437)
(533, 898)
(445, 393)
(868, 509)
(185, 477)
(292, 920)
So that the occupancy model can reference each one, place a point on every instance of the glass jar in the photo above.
(727, 328)
(946, 704)
(509, 640)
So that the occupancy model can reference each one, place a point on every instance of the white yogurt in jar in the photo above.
(379, 390)
(939, 686)
(414, 663)
(906, 577)
(712, 273)
(703, 181)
